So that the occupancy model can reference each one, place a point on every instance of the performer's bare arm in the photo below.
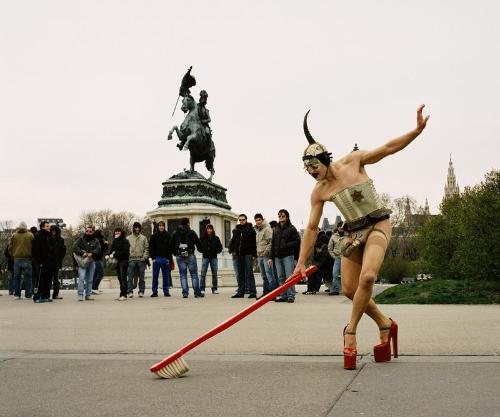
(310, 232)
(395, 145)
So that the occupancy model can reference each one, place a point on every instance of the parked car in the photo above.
(68, 278)
(68, 284)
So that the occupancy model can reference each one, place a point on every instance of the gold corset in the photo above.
(358, 201)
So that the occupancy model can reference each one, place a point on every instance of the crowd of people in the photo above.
(36, 256)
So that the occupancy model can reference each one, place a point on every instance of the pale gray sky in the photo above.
(87, 90)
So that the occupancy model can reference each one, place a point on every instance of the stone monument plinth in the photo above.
(189, 194)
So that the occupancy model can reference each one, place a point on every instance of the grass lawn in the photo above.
(437, 291)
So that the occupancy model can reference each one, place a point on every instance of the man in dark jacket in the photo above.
(160, 250)
(119, 251)
(43, 256)
(184, 242)
(243, 247)
(210, 248)
(10, 270)
(85, 249)
(284, 248)
(55, 263)
(99, 261)
(324, 262)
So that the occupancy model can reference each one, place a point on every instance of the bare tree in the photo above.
(147, 227)
(69, 235)
(386, 199)
(404, 228)
(107, 221)
(125, 220)
(6, 225)
(400, 210)
(99, 219)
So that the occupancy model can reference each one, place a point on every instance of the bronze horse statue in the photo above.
(194, 136)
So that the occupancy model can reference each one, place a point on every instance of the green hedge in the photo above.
(393, 270)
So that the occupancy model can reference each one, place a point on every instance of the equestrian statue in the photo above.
(194, 132)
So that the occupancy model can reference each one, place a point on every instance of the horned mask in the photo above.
(315, 152)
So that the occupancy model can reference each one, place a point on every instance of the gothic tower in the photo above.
(451, 187)
(408, 215)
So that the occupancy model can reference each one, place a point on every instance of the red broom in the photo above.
(175, 366)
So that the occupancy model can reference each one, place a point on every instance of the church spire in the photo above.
(408, 215)
(451, 187)
(427, 211)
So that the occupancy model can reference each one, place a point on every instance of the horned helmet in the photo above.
(315, 152)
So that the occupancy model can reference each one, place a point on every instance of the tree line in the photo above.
(463, 241)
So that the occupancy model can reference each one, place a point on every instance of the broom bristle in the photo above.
(174, 369)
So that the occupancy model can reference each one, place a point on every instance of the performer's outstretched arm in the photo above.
(395, 145)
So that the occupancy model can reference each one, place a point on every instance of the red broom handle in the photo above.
(292, 280)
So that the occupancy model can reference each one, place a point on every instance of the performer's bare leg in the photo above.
(358, 279)
(350, 282)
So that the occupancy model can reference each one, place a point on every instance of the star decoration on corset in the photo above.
(357, 196)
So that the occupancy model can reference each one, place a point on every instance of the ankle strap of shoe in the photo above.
(350, 333)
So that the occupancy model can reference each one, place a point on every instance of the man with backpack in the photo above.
(185, 241)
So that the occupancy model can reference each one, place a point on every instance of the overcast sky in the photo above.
(87, 90)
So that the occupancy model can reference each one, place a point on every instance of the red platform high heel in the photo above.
(349, 353)
(382, 351)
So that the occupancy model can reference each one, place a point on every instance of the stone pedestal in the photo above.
(189, 194)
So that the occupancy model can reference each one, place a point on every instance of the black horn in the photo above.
(310, 139)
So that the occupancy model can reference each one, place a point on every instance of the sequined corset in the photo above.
(358, 201)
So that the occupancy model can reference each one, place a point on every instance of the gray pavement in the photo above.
(92, 358)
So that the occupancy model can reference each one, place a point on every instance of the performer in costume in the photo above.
(367, 226)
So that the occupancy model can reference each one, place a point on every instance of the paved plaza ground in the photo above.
(92, 358)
